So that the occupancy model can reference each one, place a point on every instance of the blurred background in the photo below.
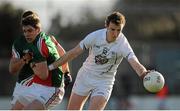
(152, 28)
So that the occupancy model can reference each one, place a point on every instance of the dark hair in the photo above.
(116, 18)
(27, 13)
(30, 18)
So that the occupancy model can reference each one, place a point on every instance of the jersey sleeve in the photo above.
(87, 42)
(42, 52)
(59, 48)
(48, 49)
(15, 53)
(44, 49)
(127, 51)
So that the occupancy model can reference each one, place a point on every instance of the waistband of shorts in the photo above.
(26, 81)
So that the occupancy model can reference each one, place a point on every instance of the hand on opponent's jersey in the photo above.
(27, 56)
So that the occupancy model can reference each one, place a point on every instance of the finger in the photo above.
(33, 64)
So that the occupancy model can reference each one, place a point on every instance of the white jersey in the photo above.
(105, 57)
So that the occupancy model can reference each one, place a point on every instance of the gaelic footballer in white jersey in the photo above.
(107, 47)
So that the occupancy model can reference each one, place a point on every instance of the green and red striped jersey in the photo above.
(43, 49)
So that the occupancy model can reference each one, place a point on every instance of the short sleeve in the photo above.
(43, 52)
(48, 48)
(87, 42)
(15, 53)
(127, 51)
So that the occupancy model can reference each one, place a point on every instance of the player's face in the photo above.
(30, 33)
(113, 31)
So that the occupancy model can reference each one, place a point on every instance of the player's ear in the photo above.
(38, 30)
(105, 25)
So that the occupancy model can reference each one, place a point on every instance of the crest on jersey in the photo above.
(102, 58)
(26, 51)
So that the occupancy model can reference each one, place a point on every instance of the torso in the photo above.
(104, 57)
(43, 50)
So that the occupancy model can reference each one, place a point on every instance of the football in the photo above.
(153, 81)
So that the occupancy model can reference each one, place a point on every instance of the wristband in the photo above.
(51, 67)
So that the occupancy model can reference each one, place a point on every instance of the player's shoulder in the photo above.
(96, 34)
(44, 37)
(122, 40)
(122, 37)
(99, 31)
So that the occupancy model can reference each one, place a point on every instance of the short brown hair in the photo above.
(116, 18)
(30, 18)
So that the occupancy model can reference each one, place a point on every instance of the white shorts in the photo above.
(88, 83)
(48, 96)
(18, 89)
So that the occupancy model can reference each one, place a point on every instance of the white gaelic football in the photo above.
(153, 81)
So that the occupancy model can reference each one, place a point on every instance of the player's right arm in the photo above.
(16, 63)
(138, 67)
(70, 55)
(85, 44)
(65, 67)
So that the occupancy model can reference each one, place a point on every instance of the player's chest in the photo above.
(108, 50)
(31, 48)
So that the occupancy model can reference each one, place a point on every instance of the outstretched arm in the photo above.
(65, 67)
(61, 52)
(138, 67)
(70, 55)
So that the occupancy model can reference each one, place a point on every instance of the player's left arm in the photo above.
(39, 65)
(128, 53)
(40, 69)
(137, 66)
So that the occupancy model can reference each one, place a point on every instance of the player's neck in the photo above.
(109, 39)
